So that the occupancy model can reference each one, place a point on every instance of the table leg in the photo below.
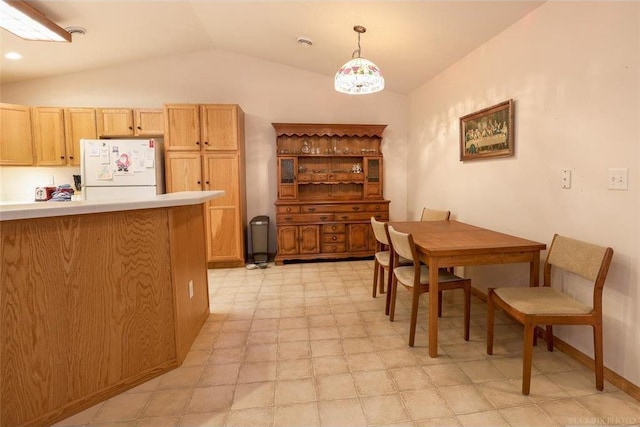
(433, 307)
(534, 269)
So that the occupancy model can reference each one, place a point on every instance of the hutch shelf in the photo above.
(330, 184)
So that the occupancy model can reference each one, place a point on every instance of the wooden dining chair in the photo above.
(434, 215)
(550, 306)
(382, 259)
(416, 279)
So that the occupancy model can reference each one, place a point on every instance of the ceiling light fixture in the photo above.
(359, 76)
(21, 19)
(304, 41)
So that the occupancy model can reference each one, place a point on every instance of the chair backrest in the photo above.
(434, 215)
(403, 245)
(379, 231)
(586, 260)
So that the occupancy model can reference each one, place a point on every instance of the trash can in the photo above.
(260, 239)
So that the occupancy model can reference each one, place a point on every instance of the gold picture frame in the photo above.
(488, 133)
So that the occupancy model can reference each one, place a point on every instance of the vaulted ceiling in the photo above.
(411, 41)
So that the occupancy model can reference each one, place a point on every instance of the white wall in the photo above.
(267, 92)
(573, 70)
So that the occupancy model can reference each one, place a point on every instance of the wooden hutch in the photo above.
(330, 184)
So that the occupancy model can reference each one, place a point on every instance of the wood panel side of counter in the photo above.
(188, 264)
(87, 311)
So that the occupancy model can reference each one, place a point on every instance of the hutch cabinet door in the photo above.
(182, 127)
(309, 239)
(219, 127)
(183, 171)
(358, 237)
(48, 136)
(373, 178)
(287, 186)
(288, 240)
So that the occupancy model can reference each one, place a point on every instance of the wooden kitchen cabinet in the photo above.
(329, 178)
(204, 150)
(118, 122)
(16, 141)
(57, 133)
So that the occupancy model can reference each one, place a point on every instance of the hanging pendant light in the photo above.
(359, 76)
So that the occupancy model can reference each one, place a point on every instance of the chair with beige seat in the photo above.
(416, 279)
(547, 305)
(434, 215)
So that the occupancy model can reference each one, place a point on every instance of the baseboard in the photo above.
(622, 383)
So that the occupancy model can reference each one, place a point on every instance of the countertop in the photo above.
(9, 212)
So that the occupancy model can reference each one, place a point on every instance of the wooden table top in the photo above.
(450, 238)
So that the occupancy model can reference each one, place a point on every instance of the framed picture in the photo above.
(487, 133)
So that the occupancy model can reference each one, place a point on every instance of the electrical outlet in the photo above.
(565, 176)
(190, 289)
(618, 179)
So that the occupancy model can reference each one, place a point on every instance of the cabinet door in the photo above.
(149, 122)
(183, 171)
(287, 185)
(115, 122)
(219, 127)
(373, 178)
(48, 136)
(358, 237)
(288, 240)
(309, 239)
(16, 147)
(222, 172)
(79, 123)
(182, 127)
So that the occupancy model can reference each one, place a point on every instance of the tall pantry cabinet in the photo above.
(204, 150)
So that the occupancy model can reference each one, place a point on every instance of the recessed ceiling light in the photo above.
(13, 55)
(304, 41)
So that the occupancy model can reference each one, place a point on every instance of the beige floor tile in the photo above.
(211, 399)
(464, 399)
(295, 391)
(213, 375)
(410, 378)
(331, 347)
(265, 324)
(504, 394)
(333, 387)
(439, 422)
(298, 414)
(365, 362)
(353, 331)
(121, 407)
(481, 370)
(257, 372)
(80, 418)
(357, 345)
(167, 403)
(158, 422)
(569, 412)
(294, 350)
(209, 419)
(262, 337)
(294, 368)
(254, 395)
(261, 352)
(614, 408)
(254, 417)
(573, 383)
(425, 403)
(510, 367)
(225, 356)
(146, 386)
(483, 419)
(291, 335)
(384, 409)
(196, 357)
(180, 378)
(541, 388)
(373, 382)
(386, 342)
(323, 333)
(346, 412)
(328, 365)
(526, 416)
(446, 375)
(230, 339)
(294, 322)
(398, 358)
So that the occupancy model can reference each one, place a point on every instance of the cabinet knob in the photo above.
(356, 208)
(334, 228)
(131, 128)
(377, 207)
(199, 183)
(334, 238)
(345, 217)
(139, 128)
(312, 209)
(206, 182)
(288, 209)
(71, 157)
(206, 143)
(288, 218)
(323, 217)
(197, 142)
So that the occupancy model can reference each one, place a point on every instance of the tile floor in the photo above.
(307, 345)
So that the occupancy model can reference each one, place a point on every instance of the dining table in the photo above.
(444, 244)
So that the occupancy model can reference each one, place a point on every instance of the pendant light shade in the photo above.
(359, 76)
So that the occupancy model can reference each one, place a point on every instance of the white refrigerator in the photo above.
(121, 169)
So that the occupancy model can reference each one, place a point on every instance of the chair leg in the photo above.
(439, 303)
(549, 337)
(597, 353)
(389, 280)
(490, 321)
(392, 292)
(415, 299)
(381, 279)
(375, 277)
(527, 355)
(467, 311)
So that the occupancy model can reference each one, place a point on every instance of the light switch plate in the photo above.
(565, 176)
(618, 179)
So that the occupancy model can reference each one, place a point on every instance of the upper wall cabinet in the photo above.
(16, 143)
(57, 133)
(211, 127)
(114, 122)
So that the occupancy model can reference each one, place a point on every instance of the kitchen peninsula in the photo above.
(95, 298)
